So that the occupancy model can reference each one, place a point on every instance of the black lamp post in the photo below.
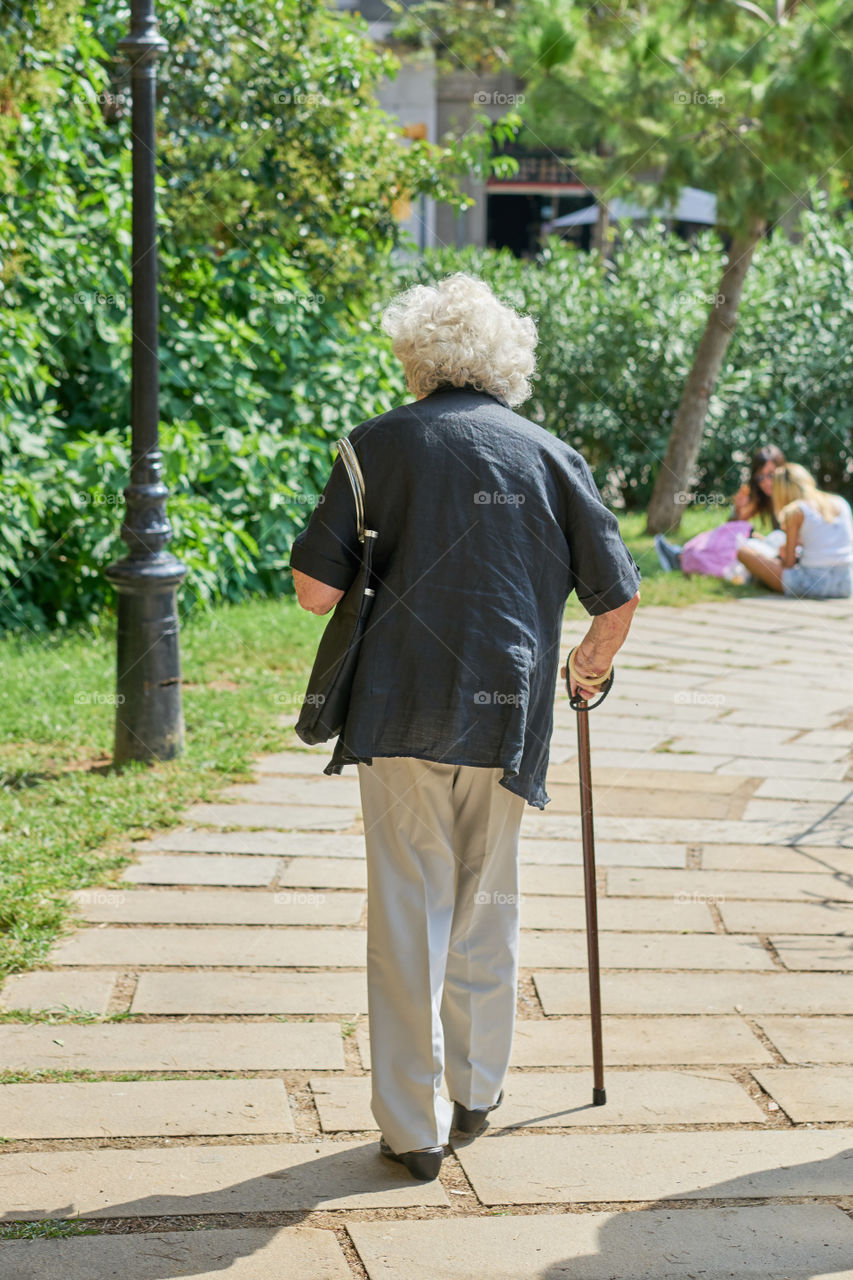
(149, 722)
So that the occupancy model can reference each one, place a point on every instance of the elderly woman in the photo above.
(487, 522)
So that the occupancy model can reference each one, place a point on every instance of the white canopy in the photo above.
(692, 205)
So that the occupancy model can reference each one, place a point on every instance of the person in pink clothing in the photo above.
(816, 560)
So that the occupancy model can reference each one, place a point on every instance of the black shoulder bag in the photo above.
(324, 709)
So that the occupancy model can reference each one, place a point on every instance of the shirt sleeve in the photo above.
(328, 548)
(603, 573)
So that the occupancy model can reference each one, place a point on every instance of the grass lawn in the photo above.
(67, 817)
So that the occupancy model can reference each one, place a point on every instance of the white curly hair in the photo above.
(459, 331)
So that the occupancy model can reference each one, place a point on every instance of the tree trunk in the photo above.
(673, 481)
(600, 229)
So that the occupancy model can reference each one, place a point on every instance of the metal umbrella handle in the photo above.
(582, 707)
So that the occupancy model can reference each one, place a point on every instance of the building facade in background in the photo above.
(429, 103)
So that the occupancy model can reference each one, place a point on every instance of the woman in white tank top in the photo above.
(820, 525)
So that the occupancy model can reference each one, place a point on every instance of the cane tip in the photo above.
(599, 1097)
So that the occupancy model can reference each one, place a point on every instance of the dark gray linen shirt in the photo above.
(486, 525)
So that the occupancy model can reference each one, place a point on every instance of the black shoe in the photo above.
(425, 1164)
(473, 1120)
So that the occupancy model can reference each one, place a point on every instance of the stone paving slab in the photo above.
(631, 1041)
(806, 788)
(213, 946)
(668, 830)
(559, 950)
(347, 1109)
(787, 917)
(811, 1039)
(762, 1242)
(804, 713)
(724, 885)
(809, 1094)
(338, 792)
(209, 868)
(290, 817)
(219, 906)
(277, 843)
(782, 767)
(814, 953)
(616, 801)
(169, 1046)
(835, 829)
(560, 881)
(589, 1167)
(251, 1253)
(289, 762)
(542, 911)
(173, 993)
(697, 993)
(776, 858)
(42, 989)
(563, 1100)
(143, 1108)
(730, 737)
(662, 760)
(607, 853)
(153, 1181)
(324, 873)
(807, 812)
(654, 779)
(641, 739)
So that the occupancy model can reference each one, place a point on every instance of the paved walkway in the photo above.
(223, 1126)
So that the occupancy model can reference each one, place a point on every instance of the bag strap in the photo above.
(356, 479)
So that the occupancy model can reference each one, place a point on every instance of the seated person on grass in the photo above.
(714, 551)
(820, 525)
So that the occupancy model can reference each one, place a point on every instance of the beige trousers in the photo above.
(442, 940)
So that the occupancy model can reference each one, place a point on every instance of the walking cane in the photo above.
(582, 707)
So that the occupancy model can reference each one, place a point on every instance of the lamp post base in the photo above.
(149, 719)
